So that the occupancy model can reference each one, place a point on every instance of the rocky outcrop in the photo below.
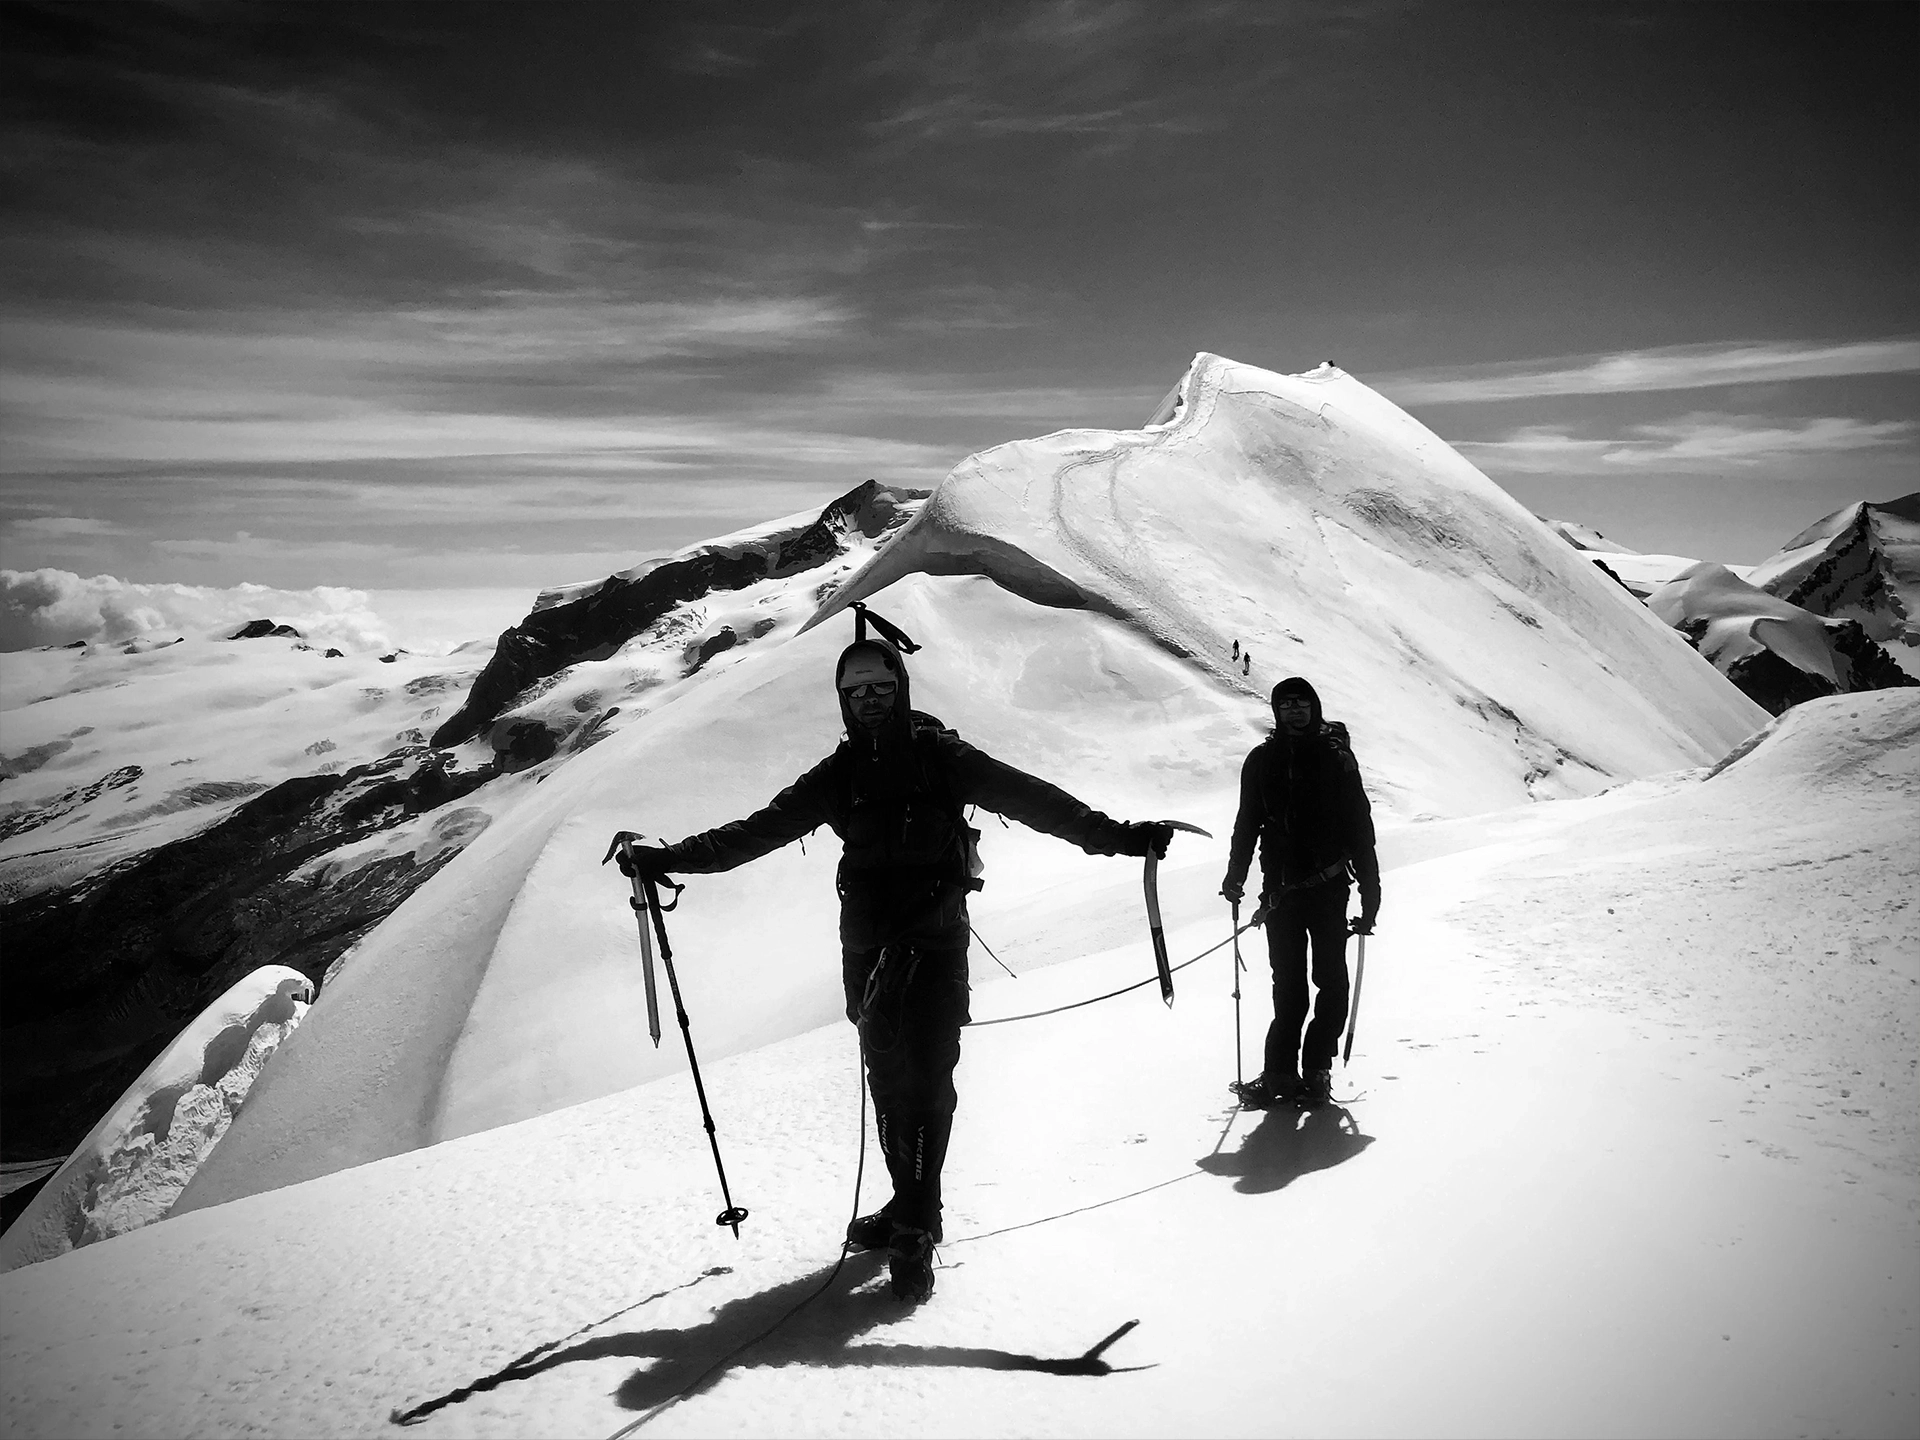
(593, 625)
(101, 976)
(255, 629)
(1860, 563)
(1779, 654)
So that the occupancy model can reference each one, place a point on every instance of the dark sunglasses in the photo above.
(881, 688)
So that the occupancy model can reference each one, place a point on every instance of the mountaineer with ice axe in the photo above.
(894, 791)
(1301, 797)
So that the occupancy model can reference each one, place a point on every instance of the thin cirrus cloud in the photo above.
(1674, 367)
(1708, 444)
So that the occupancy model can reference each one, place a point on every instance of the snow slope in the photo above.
(111, 751)
(1479, 661)
(1741, 620)
(1309, 519)
(1635, 1156)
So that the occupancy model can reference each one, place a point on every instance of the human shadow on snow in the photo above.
(775, 1327)
(1289, 1143)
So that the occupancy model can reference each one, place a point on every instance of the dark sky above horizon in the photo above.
(395, 294)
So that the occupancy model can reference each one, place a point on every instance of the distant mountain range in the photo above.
(1106, 608)
(1836, 610)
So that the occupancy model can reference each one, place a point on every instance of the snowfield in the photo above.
(1627, 1146)
(1599, 1182)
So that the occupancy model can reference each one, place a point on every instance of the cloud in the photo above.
(57, 607)
(1675, 367)
(1701, 443)
(61, 527)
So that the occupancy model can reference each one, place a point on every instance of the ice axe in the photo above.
(1238, 966)
(647, 907)
(1152, 883)
(1353, 1015)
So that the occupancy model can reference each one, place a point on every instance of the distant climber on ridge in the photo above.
(893, 792)
(1301, 796)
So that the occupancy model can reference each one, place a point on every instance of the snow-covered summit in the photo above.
(1270, 525)
(1310, 520)
(1862, 563)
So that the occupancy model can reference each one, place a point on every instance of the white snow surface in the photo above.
(1644, 574)
(135, 1162)
(1584, 537)
(115, 750)
(1633, 1153)
(506, 987)
(1742, 620)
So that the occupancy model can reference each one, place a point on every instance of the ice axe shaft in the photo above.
(640, 912)
(1238, 966)
(1151, 883)
(1353, 1015)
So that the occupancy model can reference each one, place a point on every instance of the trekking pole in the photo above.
(733, 1214)
(1238, 966)
(1353, 1015)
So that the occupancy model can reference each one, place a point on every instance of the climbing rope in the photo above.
(1095, 1000)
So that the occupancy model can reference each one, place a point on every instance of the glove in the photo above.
(1231, 892)
(647, 860)
(1146, 837)
(1363, 923)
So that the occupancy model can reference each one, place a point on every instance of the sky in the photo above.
(513, 295)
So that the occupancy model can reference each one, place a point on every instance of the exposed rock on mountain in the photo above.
(254, 629)
(101, 976)
(1480, 661)
(1861, 563)
(1775, 651)
(591, 622)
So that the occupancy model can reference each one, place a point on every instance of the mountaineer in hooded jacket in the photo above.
(1301, 798)
(893, 791)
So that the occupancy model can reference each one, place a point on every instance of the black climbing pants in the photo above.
(910, 1002)
(1316, 916)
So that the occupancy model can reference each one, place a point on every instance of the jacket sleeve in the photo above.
(1247, 822)
(1360, 847)
(979, 779)
(797, 810)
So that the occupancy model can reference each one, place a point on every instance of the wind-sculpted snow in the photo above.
(133, 1165)
(1777, 652)
(1310, 520)
(1078, 599)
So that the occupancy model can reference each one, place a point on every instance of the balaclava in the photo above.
(867, 660)
(1297, 685)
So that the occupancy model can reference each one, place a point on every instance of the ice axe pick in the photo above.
(1152, 884)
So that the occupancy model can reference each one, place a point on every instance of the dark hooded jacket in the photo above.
(1303, 800)
(895, 800)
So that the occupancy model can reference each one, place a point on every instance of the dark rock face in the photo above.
(595, 625)
(254, 629)
(1774, 684)
(21, 818)
(1872, 667)
(100, 977)
(1854, 578)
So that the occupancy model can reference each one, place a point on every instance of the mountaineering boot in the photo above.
(1261, 1093)
(871, 1232)
(1317, 1088)
(910, 1263)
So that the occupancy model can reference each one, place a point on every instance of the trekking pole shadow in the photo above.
(1287, 1144)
